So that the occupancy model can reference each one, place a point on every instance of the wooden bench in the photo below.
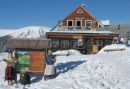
(111, 50)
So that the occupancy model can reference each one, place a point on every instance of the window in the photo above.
(79, 11)
(64, 43)
(70, 23)
(79, 23)
(88, 23)
(55, 43)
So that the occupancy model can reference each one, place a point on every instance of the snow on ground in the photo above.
(66, 52)
(113, 47)
(109, 70)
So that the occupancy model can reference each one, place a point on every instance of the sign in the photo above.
(79, 18)
(23, 60)
(77, 37)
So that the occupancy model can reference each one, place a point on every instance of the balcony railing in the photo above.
(69, 28)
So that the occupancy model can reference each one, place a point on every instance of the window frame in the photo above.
(86, 22)
(68, 23)
(77, 21)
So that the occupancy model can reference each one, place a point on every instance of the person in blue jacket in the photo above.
(50, 68)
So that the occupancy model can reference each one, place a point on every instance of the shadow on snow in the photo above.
(65, 67)
(36, 77)
(60, 68)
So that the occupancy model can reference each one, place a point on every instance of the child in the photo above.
(25, 78)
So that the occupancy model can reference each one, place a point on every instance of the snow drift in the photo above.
(113, 47)
(66, 52)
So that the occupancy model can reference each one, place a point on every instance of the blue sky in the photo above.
(20, 13)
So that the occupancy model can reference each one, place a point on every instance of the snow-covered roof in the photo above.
(105, 22)
(29, 43)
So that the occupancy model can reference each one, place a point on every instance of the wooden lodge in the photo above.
(80, 31)
(30, 53)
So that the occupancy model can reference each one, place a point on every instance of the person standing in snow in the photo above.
(50, 69)
(10, 72)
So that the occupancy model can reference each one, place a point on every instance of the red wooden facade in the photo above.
(81, 14)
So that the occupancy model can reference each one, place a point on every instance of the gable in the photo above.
(79, 14)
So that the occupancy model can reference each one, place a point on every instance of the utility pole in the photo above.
(119, 32)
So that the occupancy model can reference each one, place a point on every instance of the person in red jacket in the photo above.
(10, 74)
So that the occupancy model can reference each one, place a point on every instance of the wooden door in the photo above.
(37, 62)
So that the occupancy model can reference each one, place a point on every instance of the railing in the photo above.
(66, 28)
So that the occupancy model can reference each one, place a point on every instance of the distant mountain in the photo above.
(25, 32)
(4, 32)
(30, 32)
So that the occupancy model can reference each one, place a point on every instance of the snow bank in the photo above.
(113, 47)
(66, 52)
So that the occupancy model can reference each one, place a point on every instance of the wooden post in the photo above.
(92, 42)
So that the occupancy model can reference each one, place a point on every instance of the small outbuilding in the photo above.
(29, 53)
